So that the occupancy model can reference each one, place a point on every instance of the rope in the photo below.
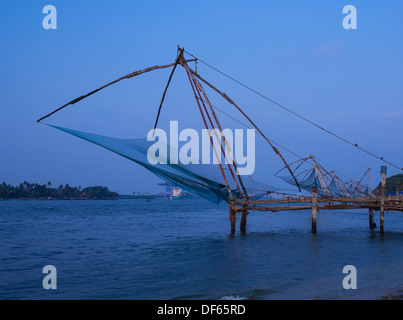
(249, 127)
(211, 139)
(296, 114)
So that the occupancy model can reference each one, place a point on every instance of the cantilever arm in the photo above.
(166, 88)
(128, 76)
(253, 124)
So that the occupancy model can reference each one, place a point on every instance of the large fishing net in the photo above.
(309, 173)
(204, 180)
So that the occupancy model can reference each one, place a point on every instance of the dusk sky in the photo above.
(294, 52)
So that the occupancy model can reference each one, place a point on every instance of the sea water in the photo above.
(182, 249)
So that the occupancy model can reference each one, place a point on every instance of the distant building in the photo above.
(168, 187)
(174, 192)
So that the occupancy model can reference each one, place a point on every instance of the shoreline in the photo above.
(44, 199)
(84, 199)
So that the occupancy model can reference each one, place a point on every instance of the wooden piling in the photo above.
(243, 219)
(232, 215)
(373, 203)
(371, 219)
(383, 168)
(314, 208)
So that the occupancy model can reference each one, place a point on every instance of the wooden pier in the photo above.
(316, 204)
(372, 203)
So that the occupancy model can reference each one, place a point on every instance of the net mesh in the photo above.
(204, 180)
(328, 184)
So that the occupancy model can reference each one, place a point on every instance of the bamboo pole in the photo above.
(309, 200)
(383, 198)
(371, 219)
(251, 122)
(243, 218)
(228, 148)
(359, 182)
(180, 51)
(323, 183)
(232, 214)
(128, 76)
(322, 207)
(230, 196)
(314, 208)
(273, 208)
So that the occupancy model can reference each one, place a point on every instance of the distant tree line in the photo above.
(27, 190)
(393, 184)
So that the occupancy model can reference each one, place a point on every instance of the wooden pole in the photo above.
(180, 51)
(371, 219)
(253, 124)
(322, 180)
(128, 76)
(383, 168)
(208, 131)
(314, 208)
(243, 219)
(232, 214)
(201, 90)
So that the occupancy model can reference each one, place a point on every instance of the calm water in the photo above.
(181, 249)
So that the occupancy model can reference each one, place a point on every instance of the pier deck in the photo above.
(372, 203)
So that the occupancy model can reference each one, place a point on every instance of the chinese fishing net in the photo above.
(201, 179)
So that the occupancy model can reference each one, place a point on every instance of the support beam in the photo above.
(128, 76)
(309, 200)
(232, 215)
(372, 224)
(243, 218)
(180, 54)
(251, 122)
(201, 91)
(314, 208)
(383, 169)
(195, 91)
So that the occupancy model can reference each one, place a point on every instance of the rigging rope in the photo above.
(296, 114)
(249, 127)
